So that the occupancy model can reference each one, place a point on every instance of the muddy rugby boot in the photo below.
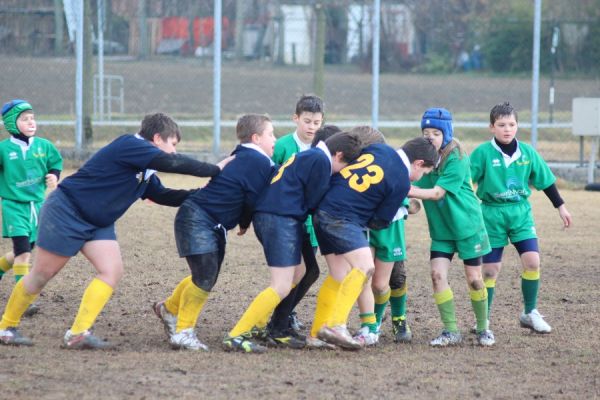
(187, 340)
(446, 339)
(84, 341)
(365, 337)
(401, 329)
(12, 337)
(168, 320)
(535, 321)
(242, 344)
(339, 336)
(486, 338)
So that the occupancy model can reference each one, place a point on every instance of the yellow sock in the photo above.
(192, 300)
(325, 303)
(20, 270)
(172, 303)
(262, 305)
(350, 289)
(17, 304)
(93, 301)
(5, 266)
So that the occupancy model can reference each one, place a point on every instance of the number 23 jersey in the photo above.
(371, 187)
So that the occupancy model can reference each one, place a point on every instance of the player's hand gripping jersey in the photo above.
(370, 190)
(298, 185)
(504, 180)
(457, 215)
(236, 189)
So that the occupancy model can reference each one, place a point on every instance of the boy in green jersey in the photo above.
(503, 169)
(455, 225)
(28, 165)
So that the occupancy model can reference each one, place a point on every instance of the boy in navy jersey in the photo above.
(284, 327)
(365, 194)
(201, 227)
(294, 192)
(80, 215)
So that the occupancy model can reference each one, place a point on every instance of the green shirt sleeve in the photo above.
(541, 175)
(477, 165)
(453, 172)
(55, 160)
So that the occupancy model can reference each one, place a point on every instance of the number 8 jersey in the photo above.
(372, 187)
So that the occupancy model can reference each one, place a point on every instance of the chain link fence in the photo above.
(268, 65)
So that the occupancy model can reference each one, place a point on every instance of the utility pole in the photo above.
(555, 38)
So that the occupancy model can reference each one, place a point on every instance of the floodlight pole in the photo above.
(375, 64)
(217, 79)
(79, 78)
(535, 84)
(101, 59)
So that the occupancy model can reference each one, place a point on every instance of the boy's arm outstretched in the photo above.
(180, 164)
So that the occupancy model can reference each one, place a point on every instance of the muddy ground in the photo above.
(563, 364)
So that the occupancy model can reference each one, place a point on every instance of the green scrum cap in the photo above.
(11, 112)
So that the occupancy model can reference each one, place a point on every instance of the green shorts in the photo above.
(389, 243)
(514, 222)
(473, 246)
(20, 219)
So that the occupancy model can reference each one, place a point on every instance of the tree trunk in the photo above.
(59, 27)
(319, 60)
(88, 75)
(240, 13)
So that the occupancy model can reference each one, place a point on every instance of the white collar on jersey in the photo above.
(301, 145)
(508, 159)
(404, 158)
(24, 146)
(323, 147)
(402, 211)
(256, 148)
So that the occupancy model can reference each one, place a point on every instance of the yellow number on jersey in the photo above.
(360, 183)
(283, 166)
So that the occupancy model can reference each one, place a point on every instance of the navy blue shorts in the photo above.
(63, 231)
(196, 232)
(281, 238)
(338, 236)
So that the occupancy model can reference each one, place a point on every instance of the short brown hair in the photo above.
(325, 132)
(368, 135)
(421, 148)
(250, 124)
(159, 123)
(349, 144)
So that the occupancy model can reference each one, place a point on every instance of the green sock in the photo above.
(398, 302)
(381, 301)
(530, 286)
(445, 305)
(490, 285)
(369, 320)
(480, 307)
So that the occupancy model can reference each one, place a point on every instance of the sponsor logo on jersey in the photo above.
(496, 162)
(523, 161)
(13, 155)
